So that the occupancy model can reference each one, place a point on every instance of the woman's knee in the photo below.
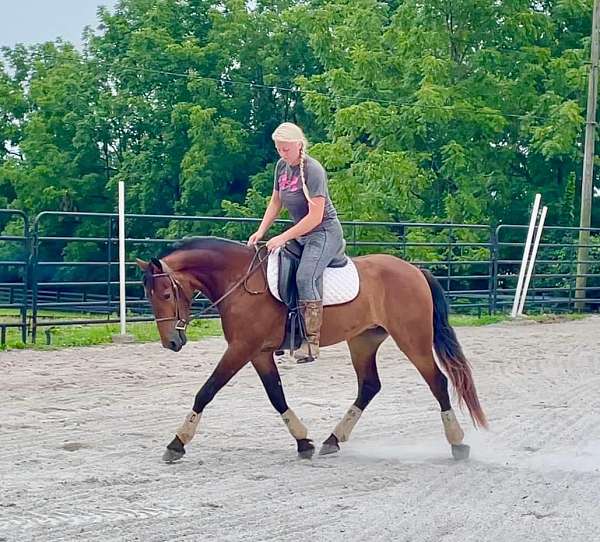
(307, 285)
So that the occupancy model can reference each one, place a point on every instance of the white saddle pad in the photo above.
(340, 284)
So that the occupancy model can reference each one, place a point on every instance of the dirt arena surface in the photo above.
(82, 432)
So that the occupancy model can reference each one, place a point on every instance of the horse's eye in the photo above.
(167, 296)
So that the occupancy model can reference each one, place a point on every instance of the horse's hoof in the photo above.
(170, 456)
(460, 451)
(306, 448)
(327, 449)
(331, 445)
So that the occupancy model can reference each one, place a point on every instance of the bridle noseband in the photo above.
(182, 323)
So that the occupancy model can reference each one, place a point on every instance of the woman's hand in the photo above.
(276, 242)
(255, 238)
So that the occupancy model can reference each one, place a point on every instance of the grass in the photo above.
(459, 320)
(462, 320)
(550, 318)
(94, 334)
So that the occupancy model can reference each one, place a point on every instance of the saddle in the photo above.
(281, 276)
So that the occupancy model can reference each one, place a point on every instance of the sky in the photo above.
(36, 21)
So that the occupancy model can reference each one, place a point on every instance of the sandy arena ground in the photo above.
(82, 432)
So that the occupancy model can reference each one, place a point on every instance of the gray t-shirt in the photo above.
(289, 184)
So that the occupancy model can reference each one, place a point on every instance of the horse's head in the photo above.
(170, 296)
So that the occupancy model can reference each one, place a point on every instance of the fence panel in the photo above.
(552, 286)
(14, 261)
(77, 273)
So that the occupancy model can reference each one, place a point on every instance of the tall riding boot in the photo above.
(313, 317)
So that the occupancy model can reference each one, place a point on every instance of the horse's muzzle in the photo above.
(177, 340)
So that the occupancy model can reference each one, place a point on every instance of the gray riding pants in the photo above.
(320, 248)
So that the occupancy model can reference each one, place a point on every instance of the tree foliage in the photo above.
(421, 111)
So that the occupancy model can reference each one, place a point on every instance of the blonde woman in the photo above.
(300, 186)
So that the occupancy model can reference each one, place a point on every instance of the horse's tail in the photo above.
(450, 354)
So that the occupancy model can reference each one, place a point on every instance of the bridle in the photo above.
(182, 323)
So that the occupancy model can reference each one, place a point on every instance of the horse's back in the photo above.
(393, 281)
(388, 267)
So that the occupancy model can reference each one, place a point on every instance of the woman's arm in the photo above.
(271, 213)
(316, 209)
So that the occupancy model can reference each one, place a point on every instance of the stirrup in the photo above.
(301, 356)
(305, 359)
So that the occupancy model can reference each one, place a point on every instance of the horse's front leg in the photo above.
(234, 358)
(269, 375)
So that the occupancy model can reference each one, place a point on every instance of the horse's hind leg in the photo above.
(269, 375)
(363, 349)
(420, 353)
(438, 384)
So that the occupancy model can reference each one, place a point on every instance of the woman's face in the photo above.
(289, 151)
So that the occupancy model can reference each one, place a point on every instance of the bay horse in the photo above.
(395, 299)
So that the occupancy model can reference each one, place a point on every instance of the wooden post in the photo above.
(588, 168)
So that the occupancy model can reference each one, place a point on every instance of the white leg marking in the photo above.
(453, 430)
(187, 430)
(295, 426)
(344, 428)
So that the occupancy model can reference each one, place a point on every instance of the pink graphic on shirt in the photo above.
(288, 183)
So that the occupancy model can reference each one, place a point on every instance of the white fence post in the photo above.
(536, 243)
(122, 300)
(534, 213)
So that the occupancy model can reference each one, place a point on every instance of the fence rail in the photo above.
(44, 269)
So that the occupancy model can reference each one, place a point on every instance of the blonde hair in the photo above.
(292, 133)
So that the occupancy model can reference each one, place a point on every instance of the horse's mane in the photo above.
(194, 243)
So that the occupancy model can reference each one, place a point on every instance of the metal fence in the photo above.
(78, 273)
(14, 263)
(552, 286)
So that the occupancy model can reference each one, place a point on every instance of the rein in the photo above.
(177, 289)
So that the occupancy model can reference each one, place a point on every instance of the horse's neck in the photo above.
(212, 271)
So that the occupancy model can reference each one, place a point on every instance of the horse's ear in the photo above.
(143, 265)
(156, 262)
